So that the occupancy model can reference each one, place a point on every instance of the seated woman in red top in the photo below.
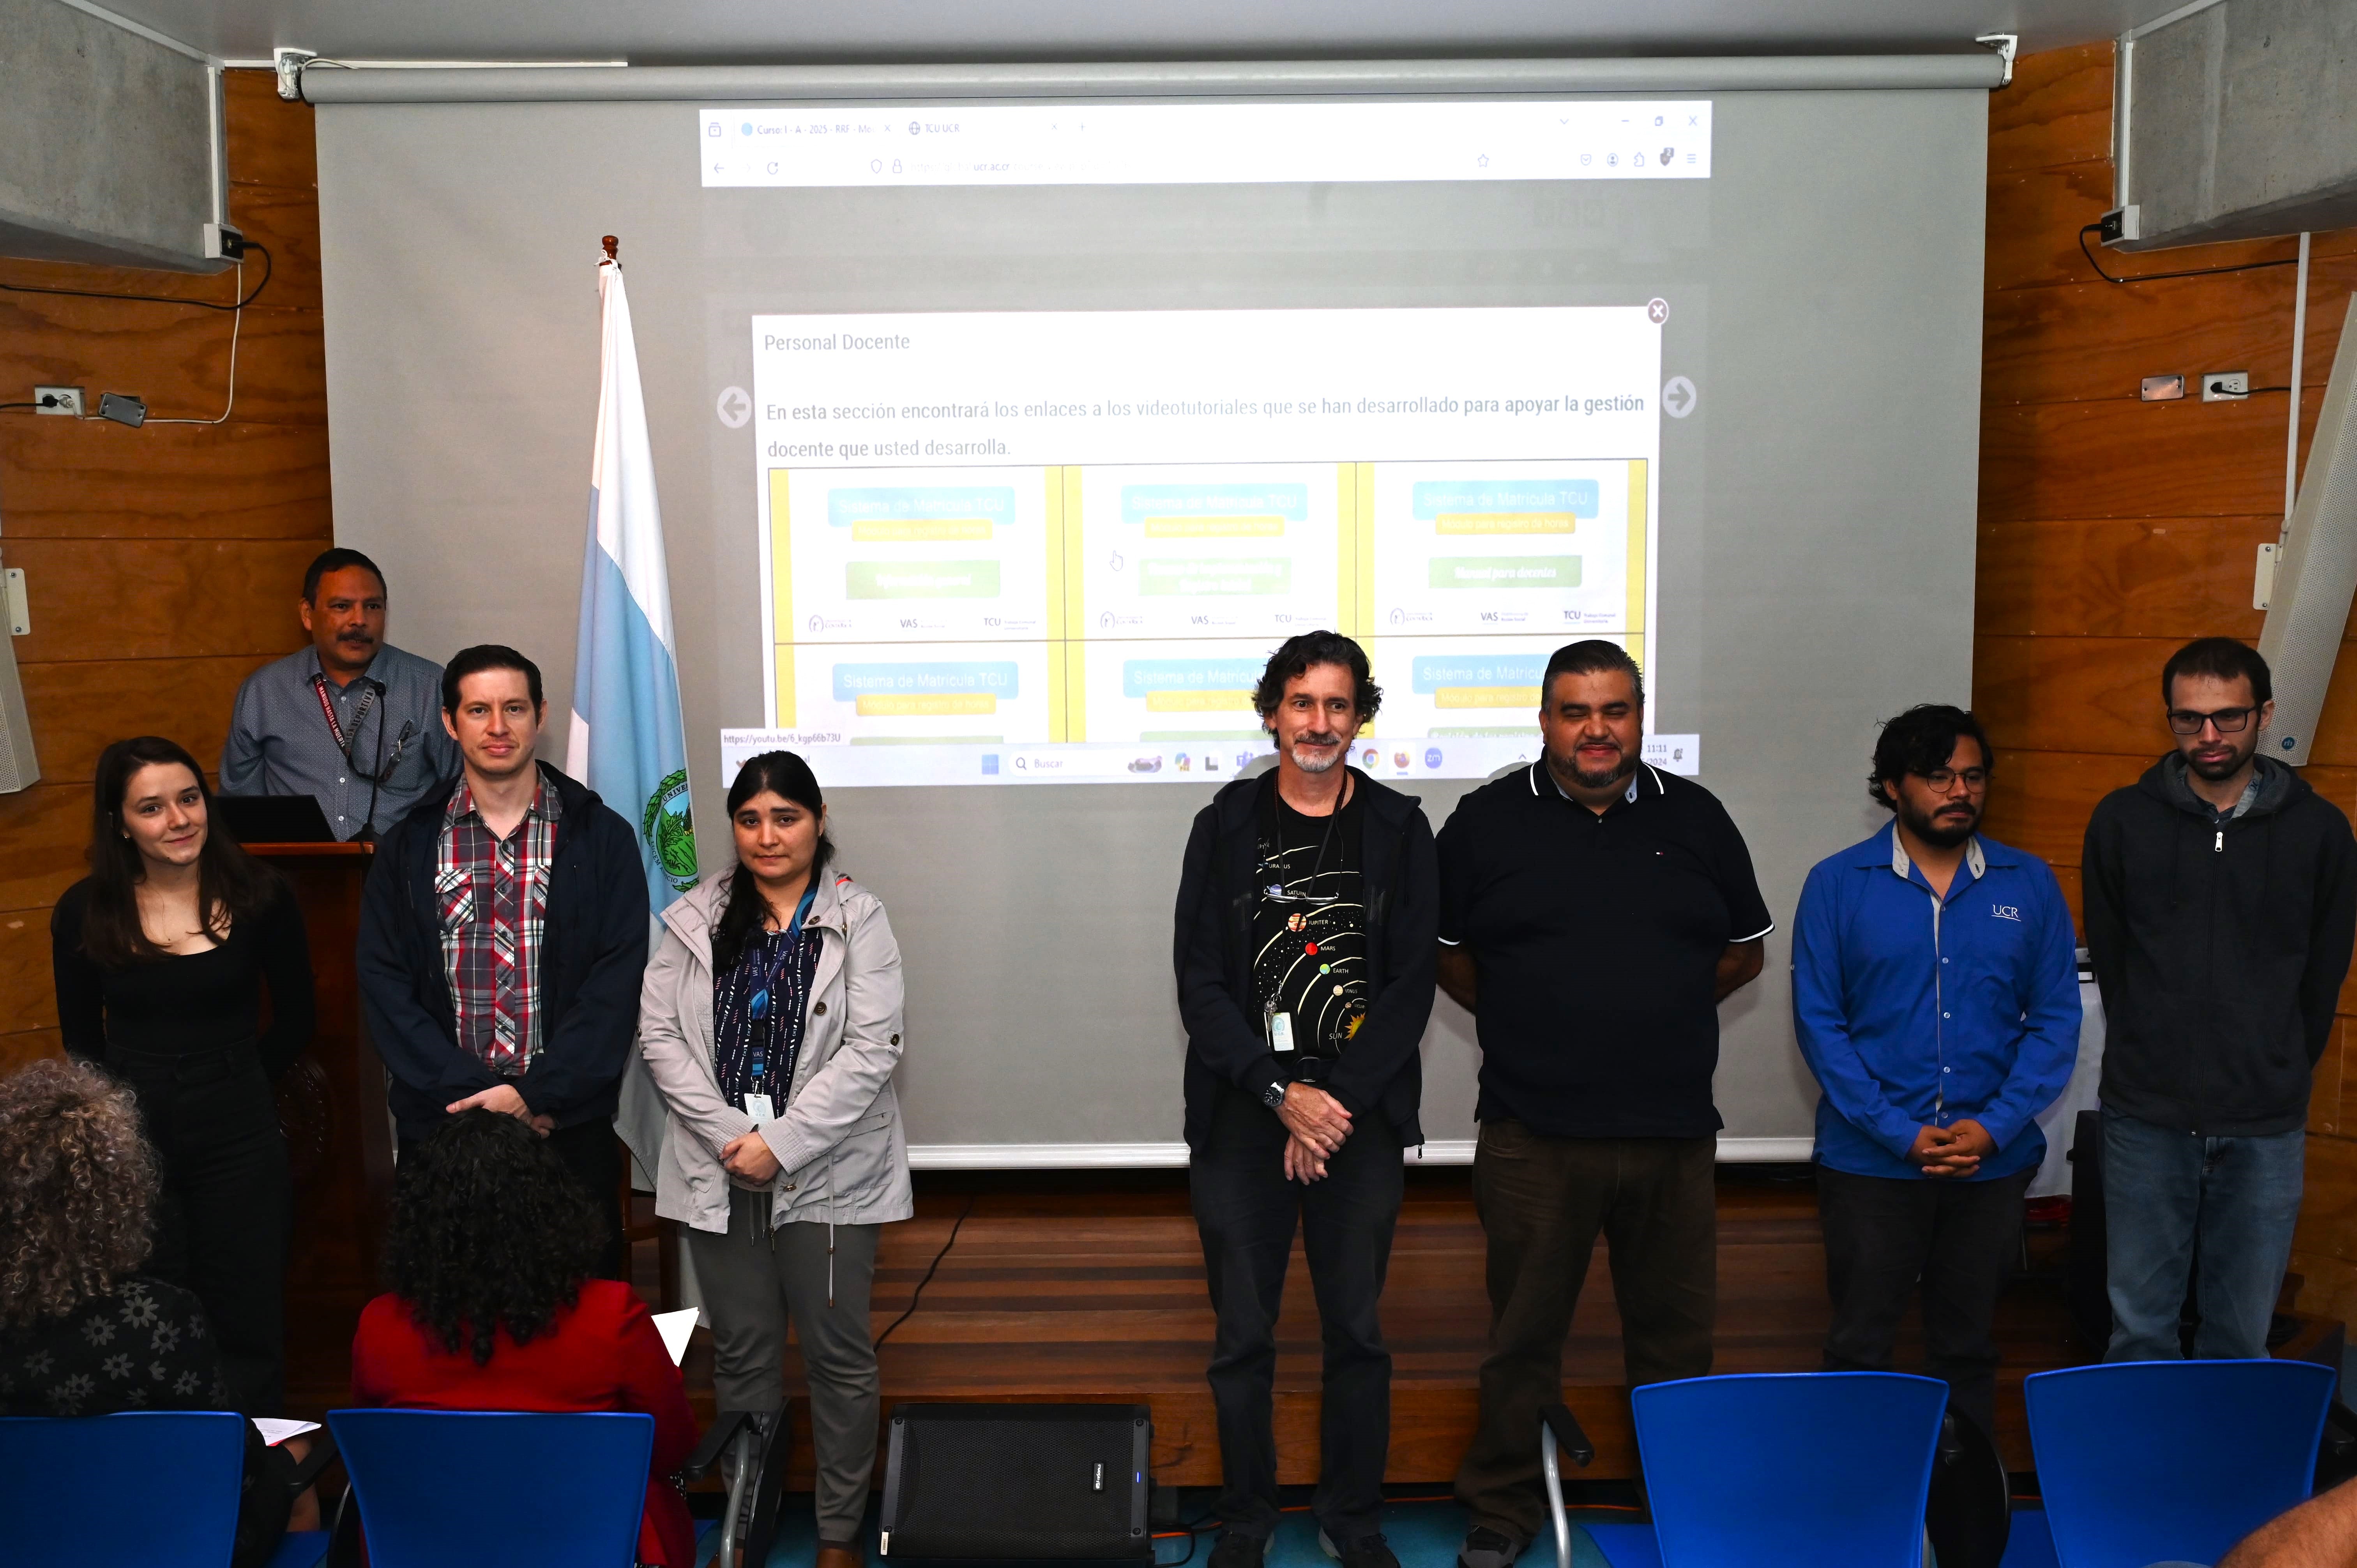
(489, 1254)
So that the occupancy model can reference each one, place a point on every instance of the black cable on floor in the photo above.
(919, 1294)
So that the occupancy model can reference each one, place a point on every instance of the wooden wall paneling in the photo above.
(2059, 105)
(164, 598)
(2178, 576)
(2324, 1247)
(2123, 457)
(285, 221)
(2324, 1114)
(270, 141)
(2034, 218)
(173, 359)
(28, 998)
(2072, 693)
(28, 1045)
(92, 480)
(42, 832)
(2091, 340)
(2038, 801)
(79, 708)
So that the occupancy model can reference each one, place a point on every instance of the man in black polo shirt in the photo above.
(1304, 951)
(1593, 914)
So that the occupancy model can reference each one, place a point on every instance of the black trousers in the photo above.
(1542, 1202)
(1246, 1212)
(594, 1155)
(224, 1214)
(1957, 1240)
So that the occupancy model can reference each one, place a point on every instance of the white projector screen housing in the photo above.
(1815, 525)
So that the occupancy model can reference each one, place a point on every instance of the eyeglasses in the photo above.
(1943, 779)
(2230, 721)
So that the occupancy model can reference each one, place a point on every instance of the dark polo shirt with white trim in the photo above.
(1596, 942)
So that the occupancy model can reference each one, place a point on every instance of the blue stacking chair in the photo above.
(496, 1489)
(149, 1489)
(2168, 1461)
(1782, 1470)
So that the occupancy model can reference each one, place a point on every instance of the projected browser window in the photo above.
(1050, 547)
(1197, 144)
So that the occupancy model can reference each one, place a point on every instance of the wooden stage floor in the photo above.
(1089, 1285)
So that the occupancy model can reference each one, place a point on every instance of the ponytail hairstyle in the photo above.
(232, 885)
(784, 774)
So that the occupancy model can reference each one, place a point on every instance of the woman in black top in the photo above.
(81, 1332)
(162, 955)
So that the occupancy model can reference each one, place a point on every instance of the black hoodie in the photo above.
(2220, 949)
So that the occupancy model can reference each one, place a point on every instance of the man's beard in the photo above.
(1625, 765)
(1938, 835)
(2233, 764)
(1317, 764)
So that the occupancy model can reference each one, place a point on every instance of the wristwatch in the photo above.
(1274, 1095)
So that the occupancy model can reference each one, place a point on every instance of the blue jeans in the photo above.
(2173, 1197)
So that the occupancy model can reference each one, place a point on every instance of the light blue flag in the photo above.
(626, 740)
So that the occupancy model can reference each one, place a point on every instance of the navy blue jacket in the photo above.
(593, 956)
(1212, 947)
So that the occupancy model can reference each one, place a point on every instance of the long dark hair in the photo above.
(230, 883)
(784, 774)
(489, 1231)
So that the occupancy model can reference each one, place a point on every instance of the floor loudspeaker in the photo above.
(1063, 1481)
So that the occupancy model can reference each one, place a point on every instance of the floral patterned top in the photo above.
(147, 1347)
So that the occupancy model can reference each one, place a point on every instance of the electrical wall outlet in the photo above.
(58, 399)
(2225, 386)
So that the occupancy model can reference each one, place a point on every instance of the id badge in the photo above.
(1280, 1029)
(758, 1108)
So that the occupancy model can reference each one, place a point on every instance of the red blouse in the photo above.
(602, 1354)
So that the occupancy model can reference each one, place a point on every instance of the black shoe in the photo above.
(1234, 1551)
(1487, 1547)
(1368, 1550)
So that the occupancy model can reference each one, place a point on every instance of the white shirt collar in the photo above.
(1635, 779)
(1902, 863)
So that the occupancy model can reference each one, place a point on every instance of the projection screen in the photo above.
(1424, 376)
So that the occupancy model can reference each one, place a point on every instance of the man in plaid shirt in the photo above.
(503, 938)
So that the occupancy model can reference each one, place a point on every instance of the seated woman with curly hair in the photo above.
(491, 1254)
(81, 1331)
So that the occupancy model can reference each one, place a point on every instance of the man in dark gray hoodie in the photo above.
(2221, 904)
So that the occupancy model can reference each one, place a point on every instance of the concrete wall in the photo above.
(106, 155)
(2244, 122)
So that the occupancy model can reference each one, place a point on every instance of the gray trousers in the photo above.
(753, 1279)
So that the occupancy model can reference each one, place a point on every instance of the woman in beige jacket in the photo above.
(771, 1022)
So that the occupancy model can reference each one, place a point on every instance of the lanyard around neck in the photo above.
(327, 711)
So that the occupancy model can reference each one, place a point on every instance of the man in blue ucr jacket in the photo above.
(1935, 993)
(503, 936)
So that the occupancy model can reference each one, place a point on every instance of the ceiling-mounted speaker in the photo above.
(2316, 575)
(19, 769)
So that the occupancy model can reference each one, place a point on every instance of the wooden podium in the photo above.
(332, 1105)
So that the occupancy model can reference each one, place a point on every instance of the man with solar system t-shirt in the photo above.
(1307, 922)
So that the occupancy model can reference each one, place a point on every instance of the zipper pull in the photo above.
(2220, 847)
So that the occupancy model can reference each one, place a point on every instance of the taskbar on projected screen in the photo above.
(1189, 760)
